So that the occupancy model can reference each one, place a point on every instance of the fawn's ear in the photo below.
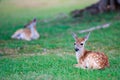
(74, 36)
(87, 36)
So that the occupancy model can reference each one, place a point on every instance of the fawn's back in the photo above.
(94, 60)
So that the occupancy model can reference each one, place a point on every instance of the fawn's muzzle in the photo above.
(76, 49)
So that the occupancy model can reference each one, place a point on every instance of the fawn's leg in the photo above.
(79, 66)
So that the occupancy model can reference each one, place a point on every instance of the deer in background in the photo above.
(28, 33)
(88, 59)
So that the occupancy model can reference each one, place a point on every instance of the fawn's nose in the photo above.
(76, 49)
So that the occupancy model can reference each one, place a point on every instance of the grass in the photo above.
(52, 56)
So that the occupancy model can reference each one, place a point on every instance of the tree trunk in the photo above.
(99, 7)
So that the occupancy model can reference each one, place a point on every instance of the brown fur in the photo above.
(25, 31)
(79, 40)
(90, 59)
(28, 33)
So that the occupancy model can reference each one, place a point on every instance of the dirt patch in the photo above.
(7, 51)
(14, 53)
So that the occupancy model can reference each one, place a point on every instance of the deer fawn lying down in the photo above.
(28, 33)
(88, 59)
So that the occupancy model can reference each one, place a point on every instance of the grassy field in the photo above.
(52, 56)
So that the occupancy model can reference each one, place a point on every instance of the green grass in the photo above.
(52, 56)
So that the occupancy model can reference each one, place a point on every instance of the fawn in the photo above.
(28, 33)
(88, 59)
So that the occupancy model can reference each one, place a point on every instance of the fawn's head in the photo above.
(80, 42)
(31, 24)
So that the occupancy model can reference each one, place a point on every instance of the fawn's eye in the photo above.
(81, 43)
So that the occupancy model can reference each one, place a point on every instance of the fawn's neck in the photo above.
(79, 54)
(32, 29)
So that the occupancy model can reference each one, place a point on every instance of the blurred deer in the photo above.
(28, 33)
(88, 59)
